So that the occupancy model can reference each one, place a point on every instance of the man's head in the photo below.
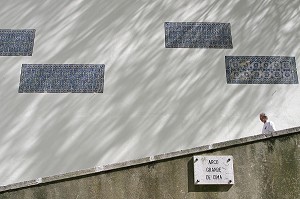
(263, 117)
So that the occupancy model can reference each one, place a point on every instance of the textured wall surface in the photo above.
(197, 35)
(263, 168)
(16, 42)
(155, 99)
(261, 70)
(62, 78)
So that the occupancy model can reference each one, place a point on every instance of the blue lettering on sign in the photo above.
(213, 169)
(213, 162)
(217, 177)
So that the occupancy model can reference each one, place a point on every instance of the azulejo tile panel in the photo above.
(62, 78)
(197, 35)
(16, 42)
(261, 70)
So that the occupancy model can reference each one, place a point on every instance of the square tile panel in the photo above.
(62, 78)
(261, 70)
(16, 42)
(197, 35)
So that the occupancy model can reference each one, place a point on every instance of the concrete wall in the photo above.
(263, 168)
(155, 100)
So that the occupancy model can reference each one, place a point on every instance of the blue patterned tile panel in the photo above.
(16, 42)
(261, 70)
(197, 35)
(62, 78)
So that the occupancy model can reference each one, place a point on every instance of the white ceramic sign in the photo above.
(213, 170)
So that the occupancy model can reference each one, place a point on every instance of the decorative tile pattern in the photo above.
(261, 70)
(16, 42)
(62, 78)
(197, 35)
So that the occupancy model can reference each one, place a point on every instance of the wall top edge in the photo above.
(161, 157)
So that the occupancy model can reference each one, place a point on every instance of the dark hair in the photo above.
(264, 115)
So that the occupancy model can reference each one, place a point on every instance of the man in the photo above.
(269, 126)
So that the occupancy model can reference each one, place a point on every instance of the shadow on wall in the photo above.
(155, 99)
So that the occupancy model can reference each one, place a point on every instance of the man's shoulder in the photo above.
(271, 124)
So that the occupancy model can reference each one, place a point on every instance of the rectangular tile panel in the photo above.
(62, 78)
(197, 35)
(16, 42)
(261, 70)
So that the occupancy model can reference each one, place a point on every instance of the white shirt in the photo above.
(268, 127)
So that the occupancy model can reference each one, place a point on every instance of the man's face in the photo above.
(262, 118)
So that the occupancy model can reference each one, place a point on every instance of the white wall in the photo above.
(155, 99)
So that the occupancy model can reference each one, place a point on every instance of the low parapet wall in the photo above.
(265, 166)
